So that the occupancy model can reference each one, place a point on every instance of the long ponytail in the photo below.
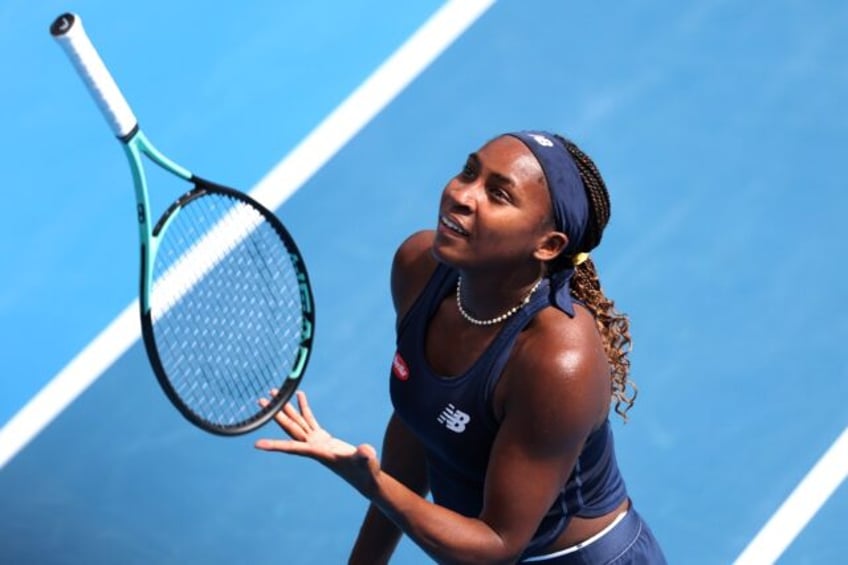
(613, 326)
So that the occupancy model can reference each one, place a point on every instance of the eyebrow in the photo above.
(500, 178)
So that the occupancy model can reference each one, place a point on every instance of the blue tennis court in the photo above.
(718, 126)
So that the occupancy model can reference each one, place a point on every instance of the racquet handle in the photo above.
(67, 30)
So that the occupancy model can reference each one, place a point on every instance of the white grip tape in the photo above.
(97, 78)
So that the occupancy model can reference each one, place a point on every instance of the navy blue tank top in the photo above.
(453, 418)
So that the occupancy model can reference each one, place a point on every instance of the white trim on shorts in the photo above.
(579, 546)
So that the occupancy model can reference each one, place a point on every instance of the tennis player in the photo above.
(509, 359)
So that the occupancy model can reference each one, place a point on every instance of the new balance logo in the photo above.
(542, 140)
(453, 419)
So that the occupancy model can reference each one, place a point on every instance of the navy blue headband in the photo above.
(568, 195)
(568, 199)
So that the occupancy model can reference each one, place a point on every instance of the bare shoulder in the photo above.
(412, 266)
(559, 367)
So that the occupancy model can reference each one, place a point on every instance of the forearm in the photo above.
(403, 458)
(378, 537)
(446, 536)
(397, 490)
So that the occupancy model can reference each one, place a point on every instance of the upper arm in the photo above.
(411, 268)
(557, 388)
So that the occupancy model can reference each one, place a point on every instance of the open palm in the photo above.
(357, 465)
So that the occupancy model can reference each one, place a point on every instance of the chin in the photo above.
(444, 252)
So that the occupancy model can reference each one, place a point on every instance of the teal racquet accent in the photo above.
(134, 147)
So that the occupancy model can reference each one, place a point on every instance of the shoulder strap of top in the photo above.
(442, 279)
(506, 338)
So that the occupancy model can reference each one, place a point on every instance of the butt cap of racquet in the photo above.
(62, 24)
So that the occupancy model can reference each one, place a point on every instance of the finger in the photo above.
(264, 403)
(306, 410)
(283, 446)
(296, 416)
(292, 414)
(291, 427)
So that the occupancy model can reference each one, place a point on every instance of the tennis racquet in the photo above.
(226, 307)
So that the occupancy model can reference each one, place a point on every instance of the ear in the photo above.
(550, 246)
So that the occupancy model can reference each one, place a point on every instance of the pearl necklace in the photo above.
(498, 319)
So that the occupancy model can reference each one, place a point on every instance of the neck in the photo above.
(484, 299)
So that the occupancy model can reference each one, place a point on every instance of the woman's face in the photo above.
(496, 212)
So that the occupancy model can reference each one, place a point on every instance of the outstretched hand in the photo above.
(357, 465)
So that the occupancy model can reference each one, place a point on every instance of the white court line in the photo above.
(796, 511)
(378, 90)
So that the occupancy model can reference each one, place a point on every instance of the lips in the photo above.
(453, 226)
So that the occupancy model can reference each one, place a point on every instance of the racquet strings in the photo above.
(225, 308)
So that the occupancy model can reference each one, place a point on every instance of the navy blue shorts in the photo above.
(629, 542)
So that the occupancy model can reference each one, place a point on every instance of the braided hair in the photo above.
(613, 326)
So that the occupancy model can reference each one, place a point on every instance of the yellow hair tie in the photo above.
(579, 258)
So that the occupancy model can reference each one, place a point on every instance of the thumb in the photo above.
(366, 456)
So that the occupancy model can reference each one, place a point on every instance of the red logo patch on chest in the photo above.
(399, 368)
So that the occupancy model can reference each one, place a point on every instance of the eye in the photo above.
(499, 194)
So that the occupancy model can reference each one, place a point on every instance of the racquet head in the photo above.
(227, 310)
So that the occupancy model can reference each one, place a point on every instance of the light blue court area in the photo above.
(718, 125)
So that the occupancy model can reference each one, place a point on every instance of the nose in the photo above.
(461, 196)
